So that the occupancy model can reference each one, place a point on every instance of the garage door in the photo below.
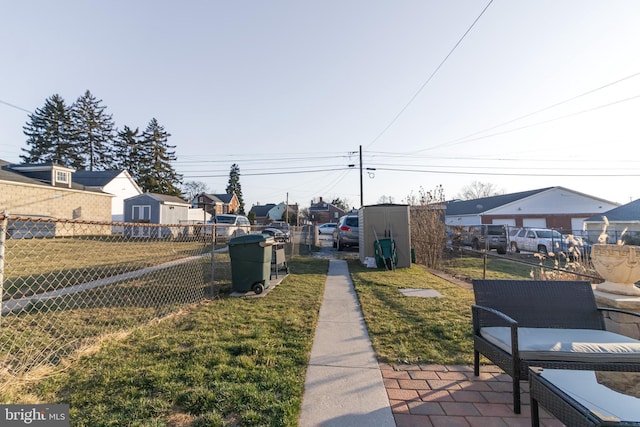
(534, 222)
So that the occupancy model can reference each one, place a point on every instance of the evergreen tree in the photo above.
(50, 135)
(127, 150)
(93, 132)
(156, 174)
(235, 187)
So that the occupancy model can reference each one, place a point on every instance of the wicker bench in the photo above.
(552, 324)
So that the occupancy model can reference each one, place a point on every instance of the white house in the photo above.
(119, 183)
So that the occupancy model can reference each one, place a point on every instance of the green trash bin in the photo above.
(250, 262)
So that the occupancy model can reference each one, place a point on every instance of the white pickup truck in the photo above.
(542, 240)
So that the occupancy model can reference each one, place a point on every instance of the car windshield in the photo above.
(549, 234)
(495, 231)
(225, 219)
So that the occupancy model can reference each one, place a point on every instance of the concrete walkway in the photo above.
(344, 385)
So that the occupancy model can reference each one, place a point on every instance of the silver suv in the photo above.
(228, 226)
(346, 232)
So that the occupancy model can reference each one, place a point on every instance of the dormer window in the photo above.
(62, 177)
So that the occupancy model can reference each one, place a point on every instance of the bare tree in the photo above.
(191, 189)
(428, 229)
(385, 199)
(478, 190)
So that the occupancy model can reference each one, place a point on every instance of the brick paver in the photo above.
(439, 395)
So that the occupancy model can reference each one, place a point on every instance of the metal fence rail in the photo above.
(65, 284)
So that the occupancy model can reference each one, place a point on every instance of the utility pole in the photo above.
(361, 196)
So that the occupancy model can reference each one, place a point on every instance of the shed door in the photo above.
(141, 213)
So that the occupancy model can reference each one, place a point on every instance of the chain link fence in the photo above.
(65, 285)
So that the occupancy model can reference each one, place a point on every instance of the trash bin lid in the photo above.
(248, 239)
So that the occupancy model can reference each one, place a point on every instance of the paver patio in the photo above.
(446, 395)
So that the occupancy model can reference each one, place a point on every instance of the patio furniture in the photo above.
(550, 324)
(585, 398)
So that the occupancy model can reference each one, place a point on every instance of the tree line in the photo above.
(84, 136)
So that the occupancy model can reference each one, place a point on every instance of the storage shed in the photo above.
(153, 208)
(388, 221)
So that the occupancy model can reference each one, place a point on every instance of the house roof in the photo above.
(225, 197)
(624, 213)
(7, 173)
(478, 206)
(95, 178)
(262, 210)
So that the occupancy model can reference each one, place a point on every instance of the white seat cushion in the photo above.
(579, 345)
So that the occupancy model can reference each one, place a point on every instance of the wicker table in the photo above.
(586, 398)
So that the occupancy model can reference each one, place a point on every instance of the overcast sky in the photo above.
(536, 94)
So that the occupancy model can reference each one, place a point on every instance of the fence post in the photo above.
(212, 286)
(3, 238)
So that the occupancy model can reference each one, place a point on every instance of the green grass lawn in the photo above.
(410, 329)
(242, 361)
(229, 361)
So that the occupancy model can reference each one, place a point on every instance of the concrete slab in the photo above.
(422, 293)
(343, 385)
(272, 284)
(345, 397)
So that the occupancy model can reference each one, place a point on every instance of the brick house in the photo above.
(216, 204)
(321, 212)
(552, 207)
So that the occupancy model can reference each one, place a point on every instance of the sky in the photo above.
(519, 94)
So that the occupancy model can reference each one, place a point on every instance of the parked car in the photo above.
(282, 226)
(346, 232)
(484, 236)
(576, 247)
(229, 226)
(327, 228)
(542, 240)
(277, 234)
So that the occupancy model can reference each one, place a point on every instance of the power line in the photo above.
(533, 174)
(588, 110)
(15, 106)
(402, 110)
(573, 98)
(268, 173)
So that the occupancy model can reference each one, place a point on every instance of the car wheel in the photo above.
(501, 250)
(543, 249)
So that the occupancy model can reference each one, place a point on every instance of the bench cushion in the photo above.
(578, 345)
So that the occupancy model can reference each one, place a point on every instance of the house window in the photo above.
(62, 176)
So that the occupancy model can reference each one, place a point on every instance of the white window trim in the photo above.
(144, 209)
